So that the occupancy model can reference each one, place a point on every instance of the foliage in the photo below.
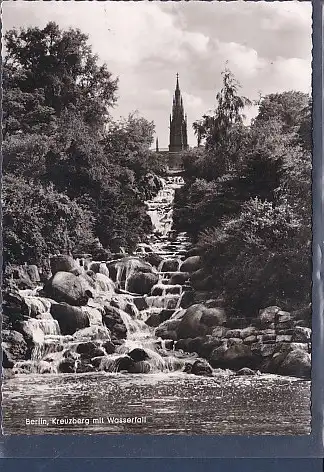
(61, 65)
(38, 221)
(261, 257)
(63, 151)
(247, 200)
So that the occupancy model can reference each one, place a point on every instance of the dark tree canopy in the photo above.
(60, 67)
(63, 150)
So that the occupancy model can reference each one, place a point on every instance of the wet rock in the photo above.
(92, 333)
(187, 299)
(96, 361)
(89, 349)
(142, 283)
(201, 367)
(268, 350)
(233, 333)
(233, 341)
(62, 263)
(127, 266)
(124, 363)
(109, 347)
(183, 344)
(267, 316)
(140, 303)
(168, 330)
(267, 337)
(140, 367)
(153, 259)
(246, 332)
(138, 354)
(297, 363)
(14, 348)
(69, 354)
(199, 321)
(112, 319)
(304, 314)
(283, 338)
(156, 319)
(170, 265)
(180, 278)
(245, 371)
(187, 368)
(83, 367)
(234, 357)
(250, 339)
(191, 264)
(219, 332)
(70, 318)
(301, 334)
(67, 366)
(68, 288)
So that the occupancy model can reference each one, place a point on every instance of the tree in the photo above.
(199, 130)
(39, 221)
(60, 65)
(286, 107)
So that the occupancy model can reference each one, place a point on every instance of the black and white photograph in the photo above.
(157, 228)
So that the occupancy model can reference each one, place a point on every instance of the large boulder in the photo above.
(62, 263)
(234, 357)
(90, 349)
(70, 318)
(191, 264)
(155, 319)
(142, 283)
(67, 366)
(199, 321)
(126, 266)
(138, 354)
(170, 265)
(68, 288)
(297, 363)
(113, 320)
(301, 334)
(153, 259)
(179, 278)
(267, 316)
(168, 330)
(14, 348)
(201, 367)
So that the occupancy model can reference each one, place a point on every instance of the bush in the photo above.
(39, 221)
(260, 257)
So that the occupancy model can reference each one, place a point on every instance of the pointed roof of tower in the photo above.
(177, 85)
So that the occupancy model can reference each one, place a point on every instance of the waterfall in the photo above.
(51, 348)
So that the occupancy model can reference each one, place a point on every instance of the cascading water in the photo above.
(51, 346)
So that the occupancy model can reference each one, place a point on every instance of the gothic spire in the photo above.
(178, 127)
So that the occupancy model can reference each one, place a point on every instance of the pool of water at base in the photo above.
(175, 403)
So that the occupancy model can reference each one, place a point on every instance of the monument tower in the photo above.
(178, 123)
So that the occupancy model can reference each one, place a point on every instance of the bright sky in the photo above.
(267, 46)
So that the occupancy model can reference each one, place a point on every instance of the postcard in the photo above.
(157, 227)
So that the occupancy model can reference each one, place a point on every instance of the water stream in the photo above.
(171, 401)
